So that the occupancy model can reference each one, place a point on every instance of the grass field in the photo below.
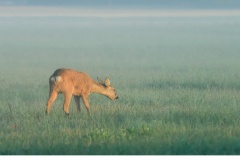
(178, 80)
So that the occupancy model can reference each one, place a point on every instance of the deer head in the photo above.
(109, 90)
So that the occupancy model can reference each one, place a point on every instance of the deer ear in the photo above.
(107, 81)
(100, 81)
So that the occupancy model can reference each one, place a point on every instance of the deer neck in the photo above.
(98, 88)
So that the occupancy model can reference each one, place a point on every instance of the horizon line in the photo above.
(39, 11)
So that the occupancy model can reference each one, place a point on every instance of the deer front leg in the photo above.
(67, 100)
(86, 103)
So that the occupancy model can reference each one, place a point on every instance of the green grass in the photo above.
(177, 79)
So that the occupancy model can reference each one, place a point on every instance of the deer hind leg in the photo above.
(86, 103)
(77, 101)
(52, 97)
(66, 103)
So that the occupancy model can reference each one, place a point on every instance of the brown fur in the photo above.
(77, 84)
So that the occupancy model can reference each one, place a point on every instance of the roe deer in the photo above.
(78, 84)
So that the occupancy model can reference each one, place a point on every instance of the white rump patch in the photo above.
(55, 79)
(58, 78)
(52, 79)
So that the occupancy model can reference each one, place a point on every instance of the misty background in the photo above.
(108, 36)
(171, 4)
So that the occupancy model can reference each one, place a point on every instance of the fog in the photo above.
(117, 8)
(46, 11)
(150, 4)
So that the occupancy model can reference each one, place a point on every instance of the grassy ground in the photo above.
(177, 78)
